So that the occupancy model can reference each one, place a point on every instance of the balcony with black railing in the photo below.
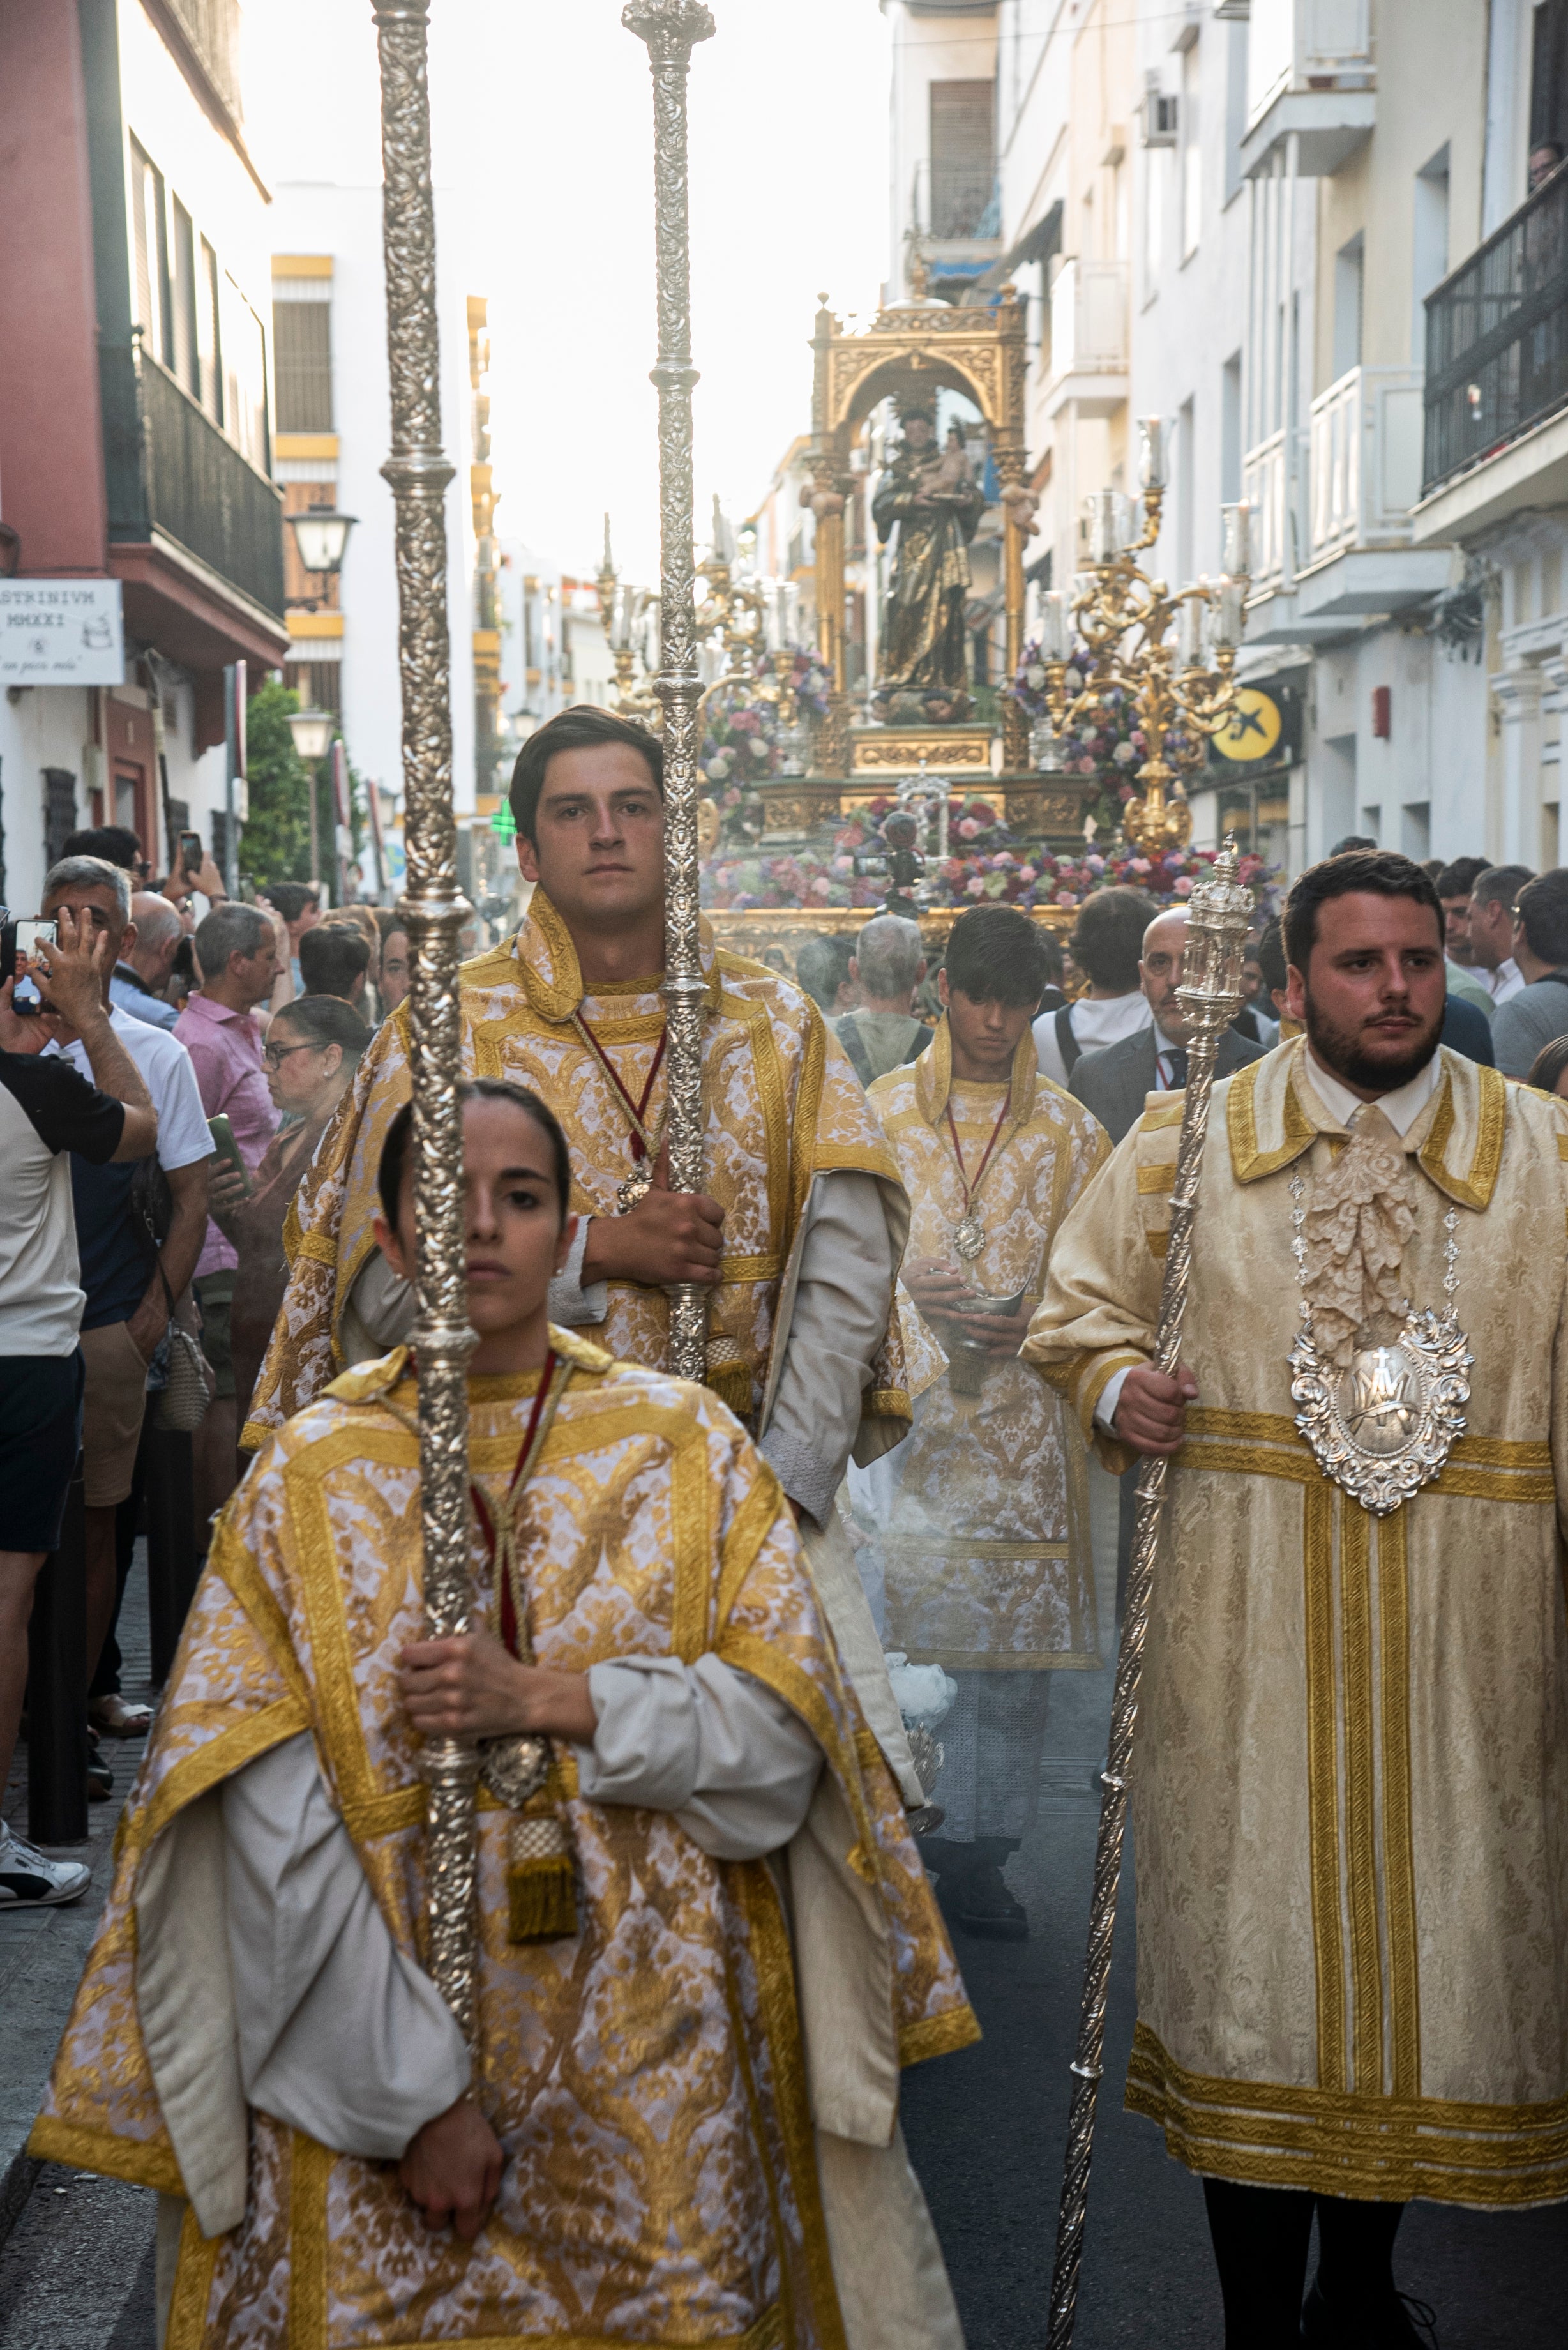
(1497, 339)
(171, 471)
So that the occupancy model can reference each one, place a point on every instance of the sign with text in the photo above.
(61, 632)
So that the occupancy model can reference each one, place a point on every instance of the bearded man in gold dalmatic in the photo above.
(1350, 1781)
(796, 1237)
(984, 1537)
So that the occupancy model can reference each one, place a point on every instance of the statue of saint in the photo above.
(932, 495)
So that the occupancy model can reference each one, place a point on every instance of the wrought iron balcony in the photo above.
(1497, 339)
(169, 470)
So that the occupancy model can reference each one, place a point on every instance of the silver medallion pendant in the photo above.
(1382, 1427)
(633, 1191)
(969, 1237)
(512, 1768)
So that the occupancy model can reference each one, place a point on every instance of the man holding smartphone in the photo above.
(48, 1111)
(137, 1253)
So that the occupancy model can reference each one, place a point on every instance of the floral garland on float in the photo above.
(987, 866)
(745, 742)
(1113, 749)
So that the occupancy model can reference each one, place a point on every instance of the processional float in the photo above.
(433, 908)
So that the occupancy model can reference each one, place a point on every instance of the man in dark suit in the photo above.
(1113, 1082)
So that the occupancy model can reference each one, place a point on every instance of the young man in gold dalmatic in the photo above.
(705, 1941)
(985, 1534)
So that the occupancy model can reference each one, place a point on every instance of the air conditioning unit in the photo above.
(1161, 110)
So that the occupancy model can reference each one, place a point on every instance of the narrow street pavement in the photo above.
(985, 2129)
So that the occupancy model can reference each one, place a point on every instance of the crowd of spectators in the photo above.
(147, 1046)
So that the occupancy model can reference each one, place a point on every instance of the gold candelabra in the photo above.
(618, 614)
(1171, 654)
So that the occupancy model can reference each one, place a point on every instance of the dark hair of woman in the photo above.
(1549, 1065)
(326, 1020)
(393, 1170)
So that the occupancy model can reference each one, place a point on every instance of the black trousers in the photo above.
(1260, 2237)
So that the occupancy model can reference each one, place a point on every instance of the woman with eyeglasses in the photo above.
(313, 1048)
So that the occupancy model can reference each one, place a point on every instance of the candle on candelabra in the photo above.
(1229, 615)
(1237, 539)
(1189, 615)
(1055, 626)
(1151, 465)
(1105, 537)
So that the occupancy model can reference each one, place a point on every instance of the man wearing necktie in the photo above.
(1116, 1083)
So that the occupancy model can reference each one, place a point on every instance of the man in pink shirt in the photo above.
(236, 954)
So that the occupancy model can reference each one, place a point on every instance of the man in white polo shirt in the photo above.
(136, 1256)
(46, 1111)
(1105, 944)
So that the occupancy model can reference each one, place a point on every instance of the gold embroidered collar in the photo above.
(546, 963)
(1273, 1114)
(934, 1080)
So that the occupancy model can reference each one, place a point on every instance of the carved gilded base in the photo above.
(957, 751)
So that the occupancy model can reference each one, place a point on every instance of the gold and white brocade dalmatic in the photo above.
(781, 1107)
(647, 2077)
(1350, 1781)
(987, 1549)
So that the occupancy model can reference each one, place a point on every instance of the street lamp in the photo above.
(313, 731)
(321, 535)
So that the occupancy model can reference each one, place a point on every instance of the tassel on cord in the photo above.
(542, 1870)
(541, 1866)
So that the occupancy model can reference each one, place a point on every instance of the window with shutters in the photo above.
(963, 156)
(302, 364)
(209, 339)
(182, 308)
(150, 244)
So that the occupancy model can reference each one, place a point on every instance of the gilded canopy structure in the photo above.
(914, 348)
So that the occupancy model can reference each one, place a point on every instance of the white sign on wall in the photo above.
(61, 632)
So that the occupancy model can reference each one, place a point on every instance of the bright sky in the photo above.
(543, 144)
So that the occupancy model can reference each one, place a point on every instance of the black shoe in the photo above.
(986, 1907)
(1402, 2324)
(99, 1777)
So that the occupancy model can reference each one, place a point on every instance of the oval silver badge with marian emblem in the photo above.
(1382, 1427)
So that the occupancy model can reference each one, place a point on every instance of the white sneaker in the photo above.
(30, 1881)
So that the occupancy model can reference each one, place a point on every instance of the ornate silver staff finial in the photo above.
(433, 910)
(671, 29)
(1211, 995)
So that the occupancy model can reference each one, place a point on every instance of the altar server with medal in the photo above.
(705, 1944)
(796, 1237)
(1350, 1780)
(984, 1519)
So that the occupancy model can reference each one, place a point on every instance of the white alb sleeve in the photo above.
(1110, 1396)
(341, 2034)
(572, 1303)
(838, 1327)
(704, 1742)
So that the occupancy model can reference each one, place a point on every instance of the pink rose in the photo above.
(974, 887)
(968, 828)
(1026, 873)
(1183, 886)
(820, 886)
(1065, 898)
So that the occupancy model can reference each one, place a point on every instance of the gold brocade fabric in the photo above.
(1350, 1781)
(987, 1554)
(783, 1106)
(645, 2075)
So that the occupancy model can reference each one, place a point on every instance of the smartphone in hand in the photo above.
(224, 1145)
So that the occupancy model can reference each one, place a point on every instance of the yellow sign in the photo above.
(1253, 730)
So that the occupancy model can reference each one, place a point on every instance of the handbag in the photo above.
(188, 1381)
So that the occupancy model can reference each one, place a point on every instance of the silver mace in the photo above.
(1209, 995)
(671, 29)
(433, 910)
